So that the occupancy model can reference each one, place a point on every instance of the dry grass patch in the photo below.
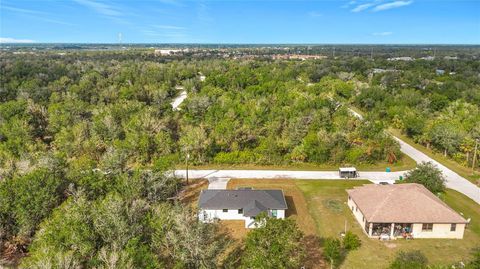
(191, 192)
(235, 228)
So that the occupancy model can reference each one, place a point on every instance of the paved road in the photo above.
(454, 180)
(218, 179)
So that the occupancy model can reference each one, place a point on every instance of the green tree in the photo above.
(428, 175)
(332, 250)
(277, 243)
(188, 243)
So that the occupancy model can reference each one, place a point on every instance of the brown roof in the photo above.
(402, 203)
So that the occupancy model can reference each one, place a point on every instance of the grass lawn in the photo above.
(404, 163)
(439, 157)
(319, 207)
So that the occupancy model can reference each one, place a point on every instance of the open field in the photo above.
(439, 157)
(405, 163)
(320, 211)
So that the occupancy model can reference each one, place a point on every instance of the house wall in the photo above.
(232, 214)
(439, 230)
(357, 213)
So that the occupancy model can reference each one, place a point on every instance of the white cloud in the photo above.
(382, 33)
(22, 10)
(14, 40)
(100, 8)
(169, 27)
(37, 15)
(362, 7)
(395, 4)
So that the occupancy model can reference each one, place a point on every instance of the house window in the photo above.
(353, 208)
(274, 213)
(356, 209)
(349, 198)
(225, 210)
(427, 227)
(363, 219)
(453, 227)
(240, 211)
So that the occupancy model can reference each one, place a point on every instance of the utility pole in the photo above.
(474, 156)
(186, 164)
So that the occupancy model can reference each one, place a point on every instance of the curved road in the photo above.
(453, 180)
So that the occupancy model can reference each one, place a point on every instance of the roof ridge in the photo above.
(384, 201)
(271, 196)
(436, 199)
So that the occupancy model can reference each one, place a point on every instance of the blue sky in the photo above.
(177, 21)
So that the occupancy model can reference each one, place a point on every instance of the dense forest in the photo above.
(87, 139)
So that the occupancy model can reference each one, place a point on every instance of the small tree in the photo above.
(332, 250)
(428, 175)
(409, 260)
(275, 244)
(351, 241)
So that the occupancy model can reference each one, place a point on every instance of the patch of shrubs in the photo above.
(335, 250)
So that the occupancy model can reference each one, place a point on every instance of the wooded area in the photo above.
(87, 140)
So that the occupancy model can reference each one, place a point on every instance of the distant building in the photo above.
(403, 210)
(165, 52)
(302, 57)
(244, 204)
(400, 59)
(440, 72)
(380, 70)
(451, 58)
(428, 58)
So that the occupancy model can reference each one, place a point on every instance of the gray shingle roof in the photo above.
(251, 201)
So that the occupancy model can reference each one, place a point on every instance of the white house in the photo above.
(243, 204)
(403, 211)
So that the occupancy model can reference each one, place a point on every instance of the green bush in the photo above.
(332, 250)
(409, 260)
(351, 241)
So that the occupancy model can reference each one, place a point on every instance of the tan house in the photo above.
(403, 210)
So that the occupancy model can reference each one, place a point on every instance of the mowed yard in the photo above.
(319, 207)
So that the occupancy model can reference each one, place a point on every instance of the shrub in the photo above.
(332, 250)
(351, 241)
(409, 260)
